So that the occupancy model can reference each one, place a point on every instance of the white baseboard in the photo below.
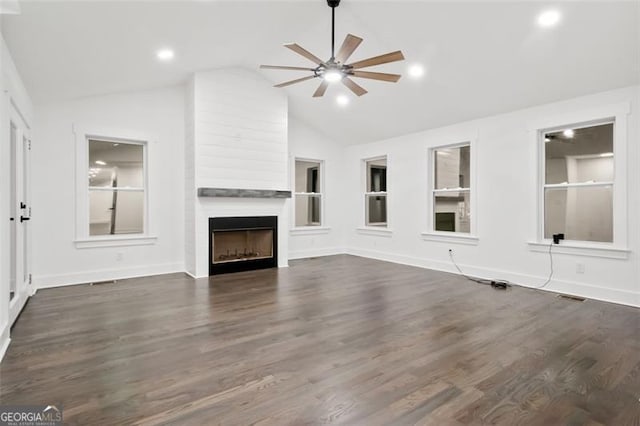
(557, 286)
(4, 341)
(49, 281)
(304, 254)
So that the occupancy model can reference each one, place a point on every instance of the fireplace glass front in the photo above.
(242, 243)
(236, 246)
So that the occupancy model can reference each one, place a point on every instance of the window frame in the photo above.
(366, 193)
(83, 239)
(568, 185)
(616, 114)
(322, 227)
(468, 238)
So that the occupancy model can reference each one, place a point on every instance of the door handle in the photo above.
(22, 219)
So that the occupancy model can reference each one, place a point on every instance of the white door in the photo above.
(20, 287)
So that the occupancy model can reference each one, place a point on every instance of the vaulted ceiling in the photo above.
(481, 58)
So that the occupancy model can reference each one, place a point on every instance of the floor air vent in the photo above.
(570, 297)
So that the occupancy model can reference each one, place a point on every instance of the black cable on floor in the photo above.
(497, 284)
(503, 284)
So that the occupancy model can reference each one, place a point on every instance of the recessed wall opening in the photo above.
(242, 243)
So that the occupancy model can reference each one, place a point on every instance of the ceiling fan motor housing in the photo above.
(333, 3)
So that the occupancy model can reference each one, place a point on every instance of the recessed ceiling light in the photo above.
(101, 163)
(332, 76)
(547, 139)
(165, 55)
(568, 133)
(416, 71)
(548, 18)
(342, 100)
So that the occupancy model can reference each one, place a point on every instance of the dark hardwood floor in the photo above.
(337, 339)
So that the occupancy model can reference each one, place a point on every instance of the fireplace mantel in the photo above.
(243, 193)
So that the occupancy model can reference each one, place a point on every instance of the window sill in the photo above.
(578, 249)
(309, 230)
(116, 241)
(451, 237)
(378, 232)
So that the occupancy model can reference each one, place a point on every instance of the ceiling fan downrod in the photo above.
(333, 4)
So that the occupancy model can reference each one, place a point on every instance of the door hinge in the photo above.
(30, 279)
(29, 144)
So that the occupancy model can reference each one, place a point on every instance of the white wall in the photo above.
(56, 260)
(506, 205)
(12, 91)
(307, 143)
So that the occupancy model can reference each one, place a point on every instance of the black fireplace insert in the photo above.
(242, 243)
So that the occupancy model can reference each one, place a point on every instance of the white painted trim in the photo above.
(451, 237)
(82, 133)
(292, 183)
(305, 254)
(49, 281)
(576, 185)
(364, 177)
(575, 119)
(309, 230)
(523, 280)
(5, 340)
(579, 117)
(577, 248)
(116, 241)
(472, 141)
(378, 232)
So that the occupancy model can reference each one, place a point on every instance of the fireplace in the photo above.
(242, 243)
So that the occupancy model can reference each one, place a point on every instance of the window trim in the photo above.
(321, 228)
(468, 238)
(616, 114)
(82, 237)
(368, 228)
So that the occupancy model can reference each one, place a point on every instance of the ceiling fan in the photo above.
(335, 69)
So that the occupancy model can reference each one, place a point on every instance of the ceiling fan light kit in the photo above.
(336, 69)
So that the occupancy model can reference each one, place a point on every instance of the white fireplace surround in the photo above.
(237, 207)
(236, 138)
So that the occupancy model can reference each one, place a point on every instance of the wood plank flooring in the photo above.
(333, 340)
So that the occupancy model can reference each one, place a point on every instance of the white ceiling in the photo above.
(482, 58)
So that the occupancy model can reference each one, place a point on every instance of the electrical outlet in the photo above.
(119, 256)
(579, 268)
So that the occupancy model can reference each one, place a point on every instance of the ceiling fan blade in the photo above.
(321, 89)
(378, 60)
(392, 78)
(299, 80)
(349, 45)
(353, 86)
(278, 67)
(304, 52)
